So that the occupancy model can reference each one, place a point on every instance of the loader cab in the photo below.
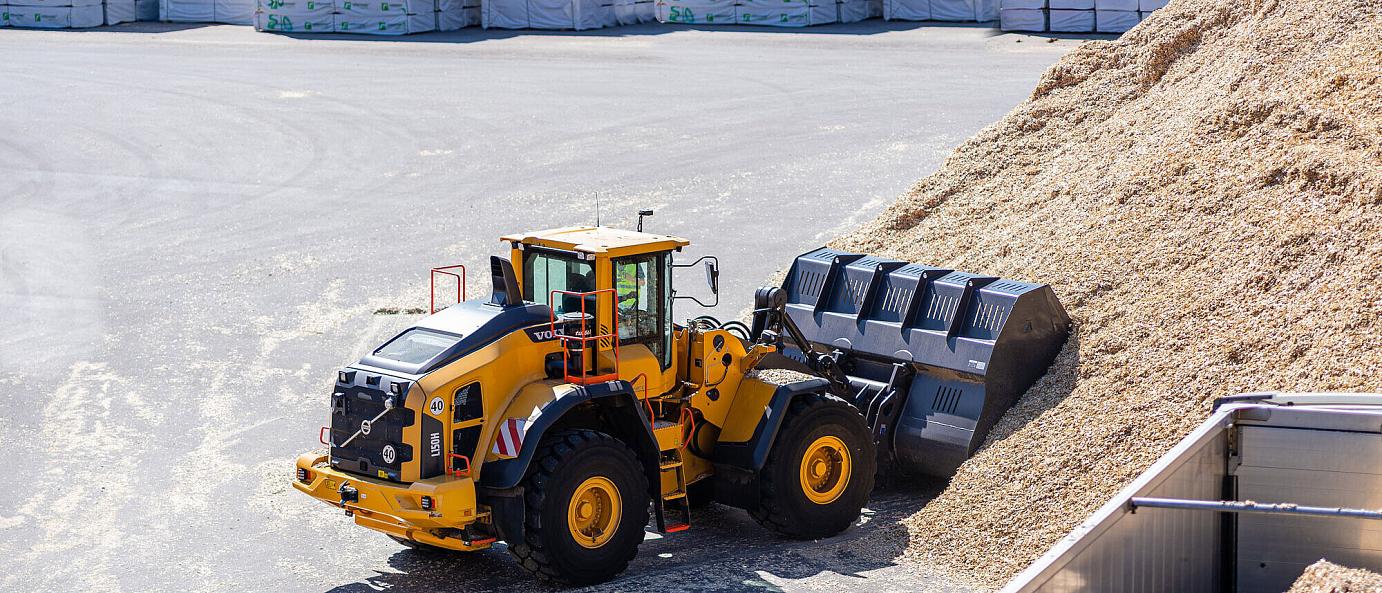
(614, 283)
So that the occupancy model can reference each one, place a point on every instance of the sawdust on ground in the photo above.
(1205, 195)
(1327, 577)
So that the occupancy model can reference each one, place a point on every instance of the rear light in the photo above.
(304, 476)
(427, 503)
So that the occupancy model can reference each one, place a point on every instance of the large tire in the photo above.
(820, 471)
(591, 480)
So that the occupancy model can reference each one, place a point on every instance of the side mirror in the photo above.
(712, 278)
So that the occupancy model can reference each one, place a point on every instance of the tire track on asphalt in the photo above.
(91, 452)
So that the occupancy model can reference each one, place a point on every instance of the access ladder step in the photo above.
(666, 465)
(674, 495)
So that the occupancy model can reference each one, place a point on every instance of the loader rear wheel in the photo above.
(587, 502)
(820, 470)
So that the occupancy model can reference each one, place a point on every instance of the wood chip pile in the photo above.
(1205, 195)
(1325, 577)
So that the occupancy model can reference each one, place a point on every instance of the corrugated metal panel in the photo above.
(1314, 468)
(1152, 550)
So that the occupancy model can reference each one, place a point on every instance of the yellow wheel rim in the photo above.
(593, 515)
(825, 470)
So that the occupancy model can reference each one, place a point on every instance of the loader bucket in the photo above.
(934, 356)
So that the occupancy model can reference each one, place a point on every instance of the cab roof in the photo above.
(601, 240)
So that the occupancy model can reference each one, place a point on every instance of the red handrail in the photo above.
(456, 472)
(460, 285)
(689, 420)
(646, 402)
(584, 338)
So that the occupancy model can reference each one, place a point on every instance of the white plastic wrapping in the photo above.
(146, 10)
(774, 13)
(453, 15)
(373, 8)
(852, 11)
(632, 12)
(907, 10)
(57, 17)
(708, 12)
(1150, 5)
(1071, 21)
(121, 11)
(1073, 4)
(1115, 21)
(295, 16)
(964, 10)
(56, 3)
(547, 14)
(1022, 19)
(397, 24)
(320, 21)
(459, 18)
(296, 7)
(1028, 4)
(235, 12)
(1115, 4)
(186, 11)
(785, 13)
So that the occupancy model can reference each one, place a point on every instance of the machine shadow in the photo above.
(146, 27)
(725, 548)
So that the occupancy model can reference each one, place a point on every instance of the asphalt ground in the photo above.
(199, 224)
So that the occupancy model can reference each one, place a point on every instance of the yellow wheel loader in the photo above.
(566, 410)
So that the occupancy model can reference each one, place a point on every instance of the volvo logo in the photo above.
(541, 333)
(364, 427)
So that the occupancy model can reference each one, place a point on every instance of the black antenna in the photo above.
(641, 214)
(597, 208)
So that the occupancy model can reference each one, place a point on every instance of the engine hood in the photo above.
(474, 323)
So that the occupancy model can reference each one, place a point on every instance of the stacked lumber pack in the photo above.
(775, 13)
(577, 15)
(941, 10)
(66, 14)
(1075, 16)
(369, 17)
(233, 12)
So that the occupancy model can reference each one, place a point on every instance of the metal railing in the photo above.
(584, 337)
(432, 281)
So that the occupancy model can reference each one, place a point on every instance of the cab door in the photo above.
(643, 316)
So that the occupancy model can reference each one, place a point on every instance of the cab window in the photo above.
(545, 271)
(641, 297)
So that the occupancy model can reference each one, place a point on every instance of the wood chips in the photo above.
(1324, 577)
(1205, 195)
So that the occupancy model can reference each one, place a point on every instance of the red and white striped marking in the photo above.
(509, 441)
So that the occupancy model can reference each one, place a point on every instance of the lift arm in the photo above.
(771, 322)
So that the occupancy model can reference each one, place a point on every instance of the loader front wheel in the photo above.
(820, 470)
(587, 502)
